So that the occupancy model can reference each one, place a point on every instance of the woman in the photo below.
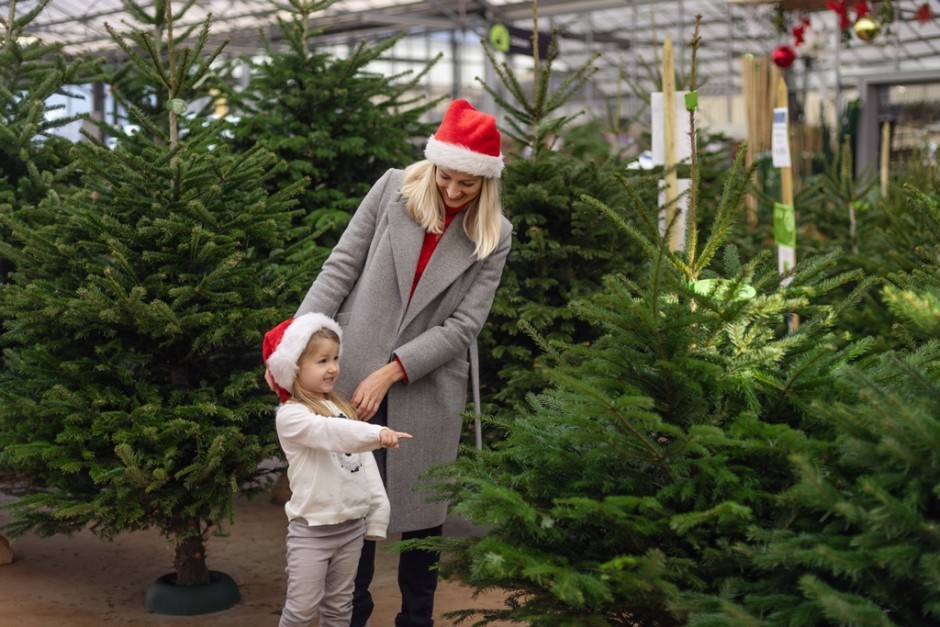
(411, 283)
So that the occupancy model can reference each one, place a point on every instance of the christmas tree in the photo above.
(334, 121)
(137, 91)
(562, 246)
(35, 166)
(861, 547)
(624, 489)
(133, 392)
(622, 494)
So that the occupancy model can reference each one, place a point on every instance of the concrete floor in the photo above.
(83, 581)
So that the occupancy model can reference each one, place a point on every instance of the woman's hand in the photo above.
(389, 438)
(369, 395)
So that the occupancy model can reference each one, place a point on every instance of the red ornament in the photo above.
(783, 56)
(923, 13)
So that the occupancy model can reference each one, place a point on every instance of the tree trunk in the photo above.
(190, 560)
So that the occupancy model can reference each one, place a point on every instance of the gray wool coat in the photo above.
(364, 285)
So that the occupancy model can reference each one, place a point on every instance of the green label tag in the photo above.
(499, 37)
(177, 106)
(784, 225)
(691, 101)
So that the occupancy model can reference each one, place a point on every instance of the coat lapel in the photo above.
(451, 258)
(406, 239)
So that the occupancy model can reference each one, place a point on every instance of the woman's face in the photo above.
(457, 189)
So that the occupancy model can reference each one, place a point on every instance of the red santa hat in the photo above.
(284, 344)
(467, 141)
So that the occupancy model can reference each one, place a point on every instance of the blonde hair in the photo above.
(305, 397)
(481, 220)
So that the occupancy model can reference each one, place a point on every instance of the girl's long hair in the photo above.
(481, 220)
(315, 404)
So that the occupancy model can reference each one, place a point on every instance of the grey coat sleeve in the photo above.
(342, 268)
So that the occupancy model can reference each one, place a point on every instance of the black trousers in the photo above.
(417, 570)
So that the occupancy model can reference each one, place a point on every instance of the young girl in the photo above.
(337, 494)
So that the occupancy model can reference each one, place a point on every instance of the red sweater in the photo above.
(430, 243)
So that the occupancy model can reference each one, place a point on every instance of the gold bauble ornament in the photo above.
(867, 28)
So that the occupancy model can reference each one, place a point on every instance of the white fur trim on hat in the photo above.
(283, 361)
(462, 159)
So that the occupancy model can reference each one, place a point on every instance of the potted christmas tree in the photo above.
(132, 394)
(35, 166)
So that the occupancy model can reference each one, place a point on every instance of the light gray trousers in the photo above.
(321, 570)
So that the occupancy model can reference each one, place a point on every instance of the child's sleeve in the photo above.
(300, 426)
(379, 509)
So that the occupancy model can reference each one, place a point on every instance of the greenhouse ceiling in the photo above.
(627, 33)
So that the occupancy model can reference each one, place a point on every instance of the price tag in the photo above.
(780, 140)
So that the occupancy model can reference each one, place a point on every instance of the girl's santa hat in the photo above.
(284, 344)
(467, 141)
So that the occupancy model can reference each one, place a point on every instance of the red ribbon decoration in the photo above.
(923, 13)
(842, 11)
(799, 31)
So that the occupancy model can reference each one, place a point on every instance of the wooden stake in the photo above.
(885, 155)
(750, 111)
(786, 174)
(669, 148)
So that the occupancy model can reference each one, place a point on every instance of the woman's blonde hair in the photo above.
(481, 220)
(315, 404)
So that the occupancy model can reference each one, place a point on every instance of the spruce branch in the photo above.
(736, 184)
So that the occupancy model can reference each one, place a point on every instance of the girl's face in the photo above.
(319, 367)
(456, 188)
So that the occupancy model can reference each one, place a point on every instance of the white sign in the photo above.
(683, 137)
(780, 139)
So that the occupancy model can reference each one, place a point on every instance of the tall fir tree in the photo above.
(333, 120)
(879, 230)
(562, 246)
(133, 393)
(35, 166)
(136, 93)
(622, 495)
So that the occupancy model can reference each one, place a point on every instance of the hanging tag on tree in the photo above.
(784, 225)
(177, 106)
(785, 236)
